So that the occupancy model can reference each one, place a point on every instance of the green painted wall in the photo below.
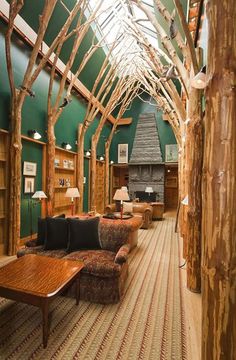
(30, 152)
(34, 116)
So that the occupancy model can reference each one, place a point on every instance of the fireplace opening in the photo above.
(145, 197)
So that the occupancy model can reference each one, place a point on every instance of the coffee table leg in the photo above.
(45, 308)
(77, 290)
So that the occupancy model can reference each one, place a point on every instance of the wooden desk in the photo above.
(36, 280)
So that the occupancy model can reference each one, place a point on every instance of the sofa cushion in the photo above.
(83, 234)
(56, 234)
(97, 262)
(127, 207)
(42, 225)
(39, 250)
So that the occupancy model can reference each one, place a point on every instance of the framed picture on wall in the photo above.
(29, 168)
(171, 153)
(29, 185)
(122, 153)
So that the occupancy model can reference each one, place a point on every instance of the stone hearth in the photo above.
(146, 167)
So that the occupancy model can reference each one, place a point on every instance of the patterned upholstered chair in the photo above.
(103, 278)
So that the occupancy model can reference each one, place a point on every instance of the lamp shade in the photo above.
(199, 81)
(72, 193)
(39, 195)
(149, 189)
(121, 195)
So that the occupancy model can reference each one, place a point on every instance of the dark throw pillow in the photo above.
(41, 232)
(83, 234)
(56, 234)
(42, 225)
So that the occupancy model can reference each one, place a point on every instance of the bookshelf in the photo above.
(3, 189)
(65, 176)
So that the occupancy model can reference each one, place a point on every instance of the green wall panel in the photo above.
(30, 152)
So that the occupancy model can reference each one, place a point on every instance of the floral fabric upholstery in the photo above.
(102, 280)
(103, 290)
(97, 262)
(122, 254)
(39, 250)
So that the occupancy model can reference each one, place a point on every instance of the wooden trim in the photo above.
(4, 131)
(68, 151)
(32, 140)
(125, 121)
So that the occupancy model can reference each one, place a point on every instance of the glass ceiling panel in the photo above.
(112, 24)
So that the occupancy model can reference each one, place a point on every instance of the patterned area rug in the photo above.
(147, 324)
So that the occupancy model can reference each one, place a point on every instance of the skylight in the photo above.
(112, 25)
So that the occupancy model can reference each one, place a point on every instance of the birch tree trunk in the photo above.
(219, 205)
(15, 176)
(50, 166)
(194, 178)
(80, 166)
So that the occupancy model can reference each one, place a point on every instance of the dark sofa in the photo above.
(103, 278)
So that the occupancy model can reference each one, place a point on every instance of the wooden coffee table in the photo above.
(36, 280)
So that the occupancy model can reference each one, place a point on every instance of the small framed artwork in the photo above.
(122, 153)
(171, 153)
(29, 185)
(29, 168)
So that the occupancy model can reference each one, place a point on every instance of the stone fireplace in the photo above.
(146, 167)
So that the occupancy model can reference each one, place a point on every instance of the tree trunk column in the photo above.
(15, 180)
(219, 187)
(194, 214)
(50, 167)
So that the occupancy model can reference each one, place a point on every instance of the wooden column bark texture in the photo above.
(194, 178)
(219, 207)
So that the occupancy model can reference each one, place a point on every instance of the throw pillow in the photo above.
(56, 234)
(42, 229)
(127, 207)
(83, 234)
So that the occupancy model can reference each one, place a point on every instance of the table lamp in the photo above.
(121, 195)
(149, 190)
(72, 193)
(39, 195)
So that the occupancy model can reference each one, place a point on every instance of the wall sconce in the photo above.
(111, 162)
(101, 158)
(199, 81)
(34, 134)
(72, 193)
(88, 153)
(66, 146)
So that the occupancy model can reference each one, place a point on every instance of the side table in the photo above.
(158, 210)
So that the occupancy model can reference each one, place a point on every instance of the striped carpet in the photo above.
(147, 324)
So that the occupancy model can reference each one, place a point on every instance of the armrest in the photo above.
(110, 208)
(122, 254)
(31, 243)
(147, 215)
